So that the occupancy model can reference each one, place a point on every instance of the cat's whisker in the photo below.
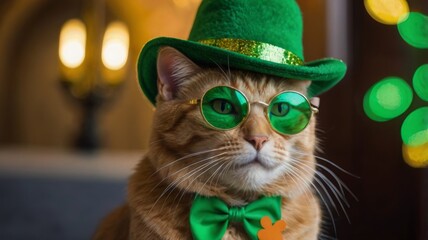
(214, 163)
(226, 77)
(336, 166)
(232, 151)
(304, 188)
(188, 166)
(183, 191)
(301, 188)
(188, 156)
(293, 172)
(170, 188)
(175, 183)
(218, 171)
(309, 169)
(184, 178)
(228, 67)
(327, 161)
(211, 177)
(340, 198)
(320, 196)
(338, 195)
(323, 188)
(324, 236)
(338, 180)
(317, 190)
(341, 194)
(329, 183)
(224, 171)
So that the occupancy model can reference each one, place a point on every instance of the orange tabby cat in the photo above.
(186, 157)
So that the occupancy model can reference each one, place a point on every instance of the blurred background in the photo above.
(74, 122)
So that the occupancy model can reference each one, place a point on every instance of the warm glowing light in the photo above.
(72, 43)
(115, 46)
(387, 11)
(387, 99)
(420, 82)
(413, 29)
(416, 156)
(414, 131)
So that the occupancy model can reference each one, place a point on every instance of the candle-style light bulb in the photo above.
(72, 43)
(115, 46)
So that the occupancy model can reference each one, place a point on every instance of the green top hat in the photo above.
(253, 35)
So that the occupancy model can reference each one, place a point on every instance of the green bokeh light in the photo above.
(413, 29)
(387, 99)
(414, 130)
(420, 82)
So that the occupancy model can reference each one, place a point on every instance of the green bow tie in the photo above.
(210, 216)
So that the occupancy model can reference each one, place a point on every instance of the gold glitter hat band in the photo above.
(260, 50)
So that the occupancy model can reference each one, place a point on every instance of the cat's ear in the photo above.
(315, 101)
(173, 69)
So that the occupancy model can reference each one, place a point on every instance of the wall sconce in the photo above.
(90, 74)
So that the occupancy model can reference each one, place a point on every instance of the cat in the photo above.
(187, 157)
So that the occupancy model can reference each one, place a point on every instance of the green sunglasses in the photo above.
(225, 108)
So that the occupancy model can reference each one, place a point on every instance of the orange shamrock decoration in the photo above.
(269, 231)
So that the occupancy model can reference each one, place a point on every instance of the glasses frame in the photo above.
(198, 101)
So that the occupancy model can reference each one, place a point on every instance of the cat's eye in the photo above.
(280, 109)
(225, 108)
(222, 106)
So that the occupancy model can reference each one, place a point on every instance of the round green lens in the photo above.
(224, 107)
(289, 113)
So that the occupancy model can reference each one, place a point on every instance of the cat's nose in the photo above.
(257, 141)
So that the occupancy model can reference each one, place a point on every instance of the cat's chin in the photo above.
(253, 176)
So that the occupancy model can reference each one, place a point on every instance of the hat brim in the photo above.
(324, 73)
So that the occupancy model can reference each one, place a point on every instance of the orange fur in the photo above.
(187, 157)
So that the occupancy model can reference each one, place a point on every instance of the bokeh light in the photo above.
(414, 130)
(387, 99)
(416, 156)
(413, 29)
(387, 11)
(115, 46)
(420, 82)
(72, 43)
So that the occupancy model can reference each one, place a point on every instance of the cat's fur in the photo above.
(186, 157)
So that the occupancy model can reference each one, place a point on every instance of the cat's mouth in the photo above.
(256, 161)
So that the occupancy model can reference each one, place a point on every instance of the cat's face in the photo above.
(249, 158)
